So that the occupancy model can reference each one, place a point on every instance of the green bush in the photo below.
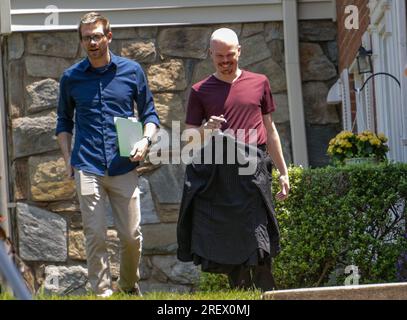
(335, 217)
(212, 282)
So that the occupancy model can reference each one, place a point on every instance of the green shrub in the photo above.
(335, 217)
(212, 282)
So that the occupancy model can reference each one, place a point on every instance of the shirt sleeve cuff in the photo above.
(152, 119)
(63, 128)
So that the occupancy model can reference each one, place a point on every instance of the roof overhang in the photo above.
(44, 15)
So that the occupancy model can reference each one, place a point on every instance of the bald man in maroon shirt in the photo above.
(233, 99)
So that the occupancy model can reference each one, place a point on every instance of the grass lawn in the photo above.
(200, 295)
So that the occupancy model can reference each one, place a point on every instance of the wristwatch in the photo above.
(148, 139)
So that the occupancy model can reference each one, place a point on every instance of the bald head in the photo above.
(224, 35)
(225, 52)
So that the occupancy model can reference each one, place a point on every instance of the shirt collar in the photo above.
(85, 65)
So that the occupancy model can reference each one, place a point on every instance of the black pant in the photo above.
(252, 277)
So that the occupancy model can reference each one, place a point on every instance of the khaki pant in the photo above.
(124, 196)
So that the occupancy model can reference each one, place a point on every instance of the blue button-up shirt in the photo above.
(94, 97)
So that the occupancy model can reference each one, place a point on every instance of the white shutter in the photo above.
(367, 91)
(364, 99)
(360, 103)
(368, 100)
(346, 104)
(364, 105)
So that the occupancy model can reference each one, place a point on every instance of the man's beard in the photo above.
(226, 69)
(100, 52)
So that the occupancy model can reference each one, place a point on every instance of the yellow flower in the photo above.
(345, 134)
(382, 137)
(365, 144)
(375, 142)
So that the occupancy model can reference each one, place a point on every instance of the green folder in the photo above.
(129, 131)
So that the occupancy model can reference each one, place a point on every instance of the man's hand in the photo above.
(139, 150)
(214, 122)
(69, 169)
(64, 141)
(285, 187)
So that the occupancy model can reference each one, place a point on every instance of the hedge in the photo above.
(341, 216)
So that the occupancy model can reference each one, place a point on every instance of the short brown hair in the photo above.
(94, 17)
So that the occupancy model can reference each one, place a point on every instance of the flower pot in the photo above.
(361, 160)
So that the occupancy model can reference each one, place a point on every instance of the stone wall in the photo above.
(47, 217)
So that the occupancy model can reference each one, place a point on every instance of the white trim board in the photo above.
(30, 15)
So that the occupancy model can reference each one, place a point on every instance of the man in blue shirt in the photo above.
(92, 93)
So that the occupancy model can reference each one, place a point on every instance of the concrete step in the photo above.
(385, 291)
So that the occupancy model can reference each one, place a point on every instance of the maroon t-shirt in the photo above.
(243, 103)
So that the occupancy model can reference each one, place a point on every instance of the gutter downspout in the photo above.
(5, 28)
(294, 87)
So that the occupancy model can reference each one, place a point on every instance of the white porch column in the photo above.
(5, 28)
(5, 17)
(294, 88)
(4, 190)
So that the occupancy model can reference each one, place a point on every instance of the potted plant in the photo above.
(348, 147)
